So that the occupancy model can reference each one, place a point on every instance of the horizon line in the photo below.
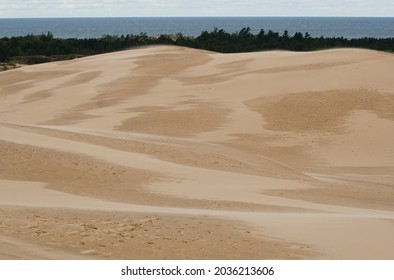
(69, 17)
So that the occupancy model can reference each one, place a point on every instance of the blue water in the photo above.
(97, 27)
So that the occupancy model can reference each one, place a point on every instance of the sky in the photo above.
(170, 8)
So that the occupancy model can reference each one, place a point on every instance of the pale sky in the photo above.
(168, 8)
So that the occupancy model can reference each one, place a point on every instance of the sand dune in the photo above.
(174, 153)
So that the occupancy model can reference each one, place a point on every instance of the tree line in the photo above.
(33, 49)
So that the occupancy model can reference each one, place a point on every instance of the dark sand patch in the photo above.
(12, 83)
(111, 235)
(37, 96)
(82, 78)
(324, 111)
(361, 187)
(204, 117)
(72, 173)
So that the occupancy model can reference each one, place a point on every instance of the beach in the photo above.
(174, 153)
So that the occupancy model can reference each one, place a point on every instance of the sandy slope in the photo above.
(169, 152)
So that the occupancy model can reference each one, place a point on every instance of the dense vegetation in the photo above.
(33, 49)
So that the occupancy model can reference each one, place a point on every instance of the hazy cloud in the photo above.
(57, 8)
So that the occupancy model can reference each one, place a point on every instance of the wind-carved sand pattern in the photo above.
(174, 153)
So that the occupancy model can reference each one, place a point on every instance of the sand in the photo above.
(174, 153)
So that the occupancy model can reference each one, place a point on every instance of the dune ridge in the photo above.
(285, 155)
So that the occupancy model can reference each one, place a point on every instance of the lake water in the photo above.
(97, 27)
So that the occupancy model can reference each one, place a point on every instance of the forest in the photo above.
(33, 49)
